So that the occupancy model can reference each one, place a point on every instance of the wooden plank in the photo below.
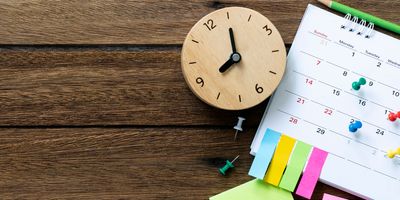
(142, 22)
(124, 22)
(102, 87)
(148, 163)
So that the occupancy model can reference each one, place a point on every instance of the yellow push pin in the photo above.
(393, 153)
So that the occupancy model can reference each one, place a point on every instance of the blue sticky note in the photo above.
(264, 154)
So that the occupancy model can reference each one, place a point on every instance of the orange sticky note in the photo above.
(280, 159)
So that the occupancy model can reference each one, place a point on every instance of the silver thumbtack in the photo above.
(238, 126)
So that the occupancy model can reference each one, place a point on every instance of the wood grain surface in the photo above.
(94, 104)
(122, 163)
(142, 22)
(128, 86)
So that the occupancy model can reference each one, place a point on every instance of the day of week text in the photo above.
(371, 54)
(346, 44)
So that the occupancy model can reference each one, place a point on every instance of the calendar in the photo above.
(315, 102)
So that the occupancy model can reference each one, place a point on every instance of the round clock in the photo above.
(233, 58)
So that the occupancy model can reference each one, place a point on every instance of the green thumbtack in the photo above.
(228, 165)
(356, 85)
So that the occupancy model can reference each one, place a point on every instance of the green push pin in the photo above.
(228, 165)
(356, 85)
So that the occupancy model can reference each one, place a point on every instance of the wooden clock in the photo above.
(233, 58)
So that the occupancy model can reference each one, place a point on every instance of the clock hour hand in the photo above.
(234, 58)
(232, 40)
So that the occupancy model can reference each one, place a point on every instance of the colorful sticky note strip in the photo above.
(295, 166)
(264, 154)
(331, 197)
(279, 160)
(254, 190)
(311, 173)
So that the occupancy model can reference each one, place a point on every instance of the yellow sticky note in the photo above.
(280, 159)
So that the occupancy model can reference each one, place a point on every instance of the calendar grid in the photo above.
(316, 103)
(344, 113)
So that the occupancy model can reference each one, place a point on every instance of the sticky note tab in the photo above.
(295, 166)
(264, 154)
(254, 190)
(331, 197)
(280, 159)
(311, 173)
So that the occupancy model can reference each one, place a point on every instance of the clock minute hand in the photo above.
(234, 57)
(232, 40)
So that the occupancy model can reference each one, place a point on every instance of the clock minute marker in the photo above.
(240, 98)
(218, 95)
(272, 72)
(227, 15)
(273, 51)
(195, 41)
(191, 63)
(249, 18)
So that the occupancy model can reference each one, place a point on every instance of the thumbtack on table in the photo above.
(238, 126)
(228, 165)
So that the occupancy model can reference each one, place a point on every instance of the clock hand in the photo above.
(226, 65)
(232, 40)
(234, 58)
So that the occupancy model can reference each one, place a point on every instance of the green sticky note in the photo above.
(295, 167)
(254, 190)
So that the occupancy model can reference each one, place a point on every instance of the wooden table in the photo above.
(94, 104)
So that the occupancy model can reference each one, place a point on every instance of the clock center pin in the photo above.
(236, 57)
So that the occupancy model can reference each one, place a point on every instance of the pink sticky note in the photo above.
(331, 197)
(311, 173)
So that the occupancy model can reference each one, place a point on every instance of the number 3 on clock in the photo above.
(269, 31)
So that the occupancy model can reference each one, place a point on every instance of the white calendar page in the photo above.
(315, 103)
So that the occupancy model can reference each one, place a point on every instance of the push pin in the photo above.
(353, 127)
(238, 126)
(228, 165)
(393, 116)
(392, 153)
(357, 84)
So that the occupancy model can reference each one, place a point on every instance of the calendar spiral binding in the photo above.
(360, 26)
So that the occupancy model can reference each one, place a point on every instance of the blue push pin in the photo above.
(353, 127)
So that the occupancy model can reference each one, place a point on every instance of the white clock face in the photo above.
(233, 58)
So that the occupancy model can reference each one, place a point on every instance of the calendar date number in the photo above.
(293, 120)
(320, 131)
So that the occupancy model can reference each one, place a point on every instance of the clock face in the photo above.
(233, 58)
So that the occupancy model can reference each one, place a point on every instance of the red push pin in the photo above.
(393, 116)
